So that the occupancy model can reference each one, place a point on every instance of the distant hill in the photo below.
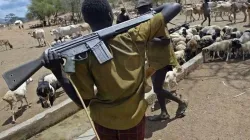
(2, 21)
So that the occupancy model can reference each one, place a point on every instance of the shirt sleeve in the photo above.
(155, 27)
(83, 82)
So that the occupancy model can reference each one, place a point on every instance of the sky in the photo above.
(18, 7)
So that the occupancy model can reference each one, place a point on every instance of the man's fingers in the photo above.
(46, 59)
(51, 57)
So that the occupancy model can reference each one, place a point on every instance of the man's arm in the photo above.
(68, 88)
(53, 62)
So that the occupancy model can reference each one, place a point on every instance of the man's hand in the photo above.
(53, 61)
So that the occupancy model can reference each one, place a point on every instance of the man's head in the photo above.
(123, 10)
(144, 6)
(97, 13)
(206, 1)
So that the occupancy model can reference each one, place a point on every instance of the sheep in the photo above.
(196, 37)
(176, 40)
(47, 86)
(245, 37)
(210, 30)
(6, 43)
(180, 47)
(181, 42)
(207, 40)
(218, 39)
(236, 34)
(225, 46)
(12, 97)
(245, 48)
(175, 35)
(192, 49)
(192, 31)
(197, 27)
(180, 55)
(64, 39)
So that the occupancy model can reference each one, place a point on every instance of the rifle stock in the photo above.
(17, 76)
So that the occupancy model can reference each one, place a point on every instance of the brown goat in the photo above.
(6, 43)
(198, 10)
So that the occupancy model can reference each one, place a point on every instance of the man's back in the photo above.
(120, 82)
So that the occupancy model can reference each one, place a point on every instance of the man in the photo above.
(206, 11)
(161, 57)
(118, 108)
(122, 17)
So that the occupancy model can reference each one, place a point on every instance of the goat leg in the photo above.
(13, 113)
(227, 56)
(213, 55)
(245, 18)
(28, 105)
(218, 53)
(21, 104)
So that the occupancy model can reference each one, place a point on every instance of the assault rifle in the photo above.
(71, 50)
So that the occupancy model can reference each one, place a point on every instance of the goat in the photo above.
(12, 97)
(6, 43)
(46, 89)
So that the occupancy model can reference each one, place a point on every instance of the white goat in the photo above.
(171, 77)
(12, 97)
(189, 12)
(176, 40)
(180, 55)
(181, 42)
(38, 34)
(180, 47)
(245, 48)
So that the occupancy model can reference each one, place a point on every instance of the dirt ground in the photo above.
(25, 49)
(218, 95)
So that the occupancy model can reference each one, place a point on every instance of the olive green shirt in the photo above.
(119, 103)
(160, 55)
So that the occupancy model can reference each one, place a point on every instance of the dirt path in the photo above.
(214, 110)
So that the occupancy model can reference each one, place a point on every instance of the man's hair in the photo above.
(96, 11)
(123, 10)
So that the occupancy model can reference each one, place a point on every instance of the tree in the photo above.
(44, 9)
(73, 6)
(10, 18)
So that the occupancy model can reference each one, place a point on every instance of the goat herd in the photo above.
(229, 8)
(210, 39)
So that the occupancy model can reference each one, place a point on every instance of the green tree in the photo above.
(10, 18)
(44, 9)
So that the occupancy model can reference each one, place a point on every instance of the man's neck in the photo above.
(99, 27)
